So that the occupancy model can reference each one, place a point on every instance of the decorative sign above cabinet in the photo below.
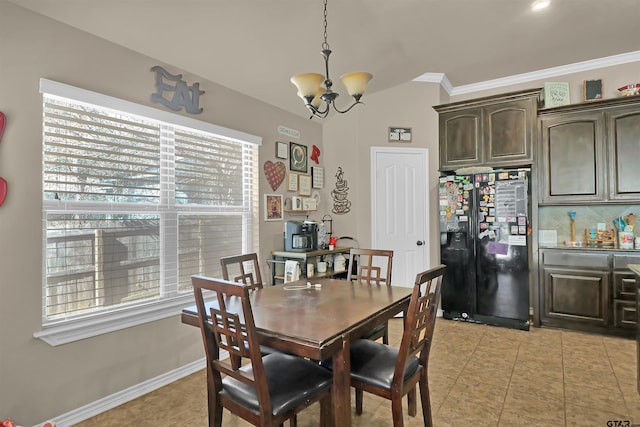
(399, 134)
(183, 95)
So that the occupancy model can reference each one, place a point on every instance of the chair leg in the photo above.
(426, 401)
(396, 411)
(293, 421)
(359, 395)
(215, 416)
(213, 402)
(411, 402)
(385, 336)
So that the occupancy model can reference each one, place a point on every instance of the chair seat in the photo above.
(291, 381)
(373, 363)
(265, 350)
(375, 331)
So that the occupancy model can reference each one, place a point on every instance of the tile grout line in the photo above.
(606, 350)
(504, 398)
(459, 373)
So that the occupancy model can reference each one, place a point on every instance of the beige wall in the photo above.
(613, 77)
(407, 105)
(38, 381)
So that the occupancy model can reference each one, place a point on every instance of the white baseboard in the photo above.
(109, 402)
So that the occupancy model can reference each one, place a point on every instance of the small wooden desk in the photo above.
(320, 323)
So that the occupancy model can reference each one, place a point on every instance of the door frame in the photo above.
(422, 152)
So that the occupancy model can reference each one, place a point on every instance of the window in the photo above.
(135, 201)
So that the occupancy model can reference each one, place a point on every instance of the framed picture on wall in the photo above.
(282, 151)
(273, 207)
(397, 134)
(556, 94)
(304, 185)
(297, 157)
(592, 90)
(292, 181)
(317, 176)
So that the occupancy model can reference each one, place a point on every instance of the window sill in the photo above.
(67, 331)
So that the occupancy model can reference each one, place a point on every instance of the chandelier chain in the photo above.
(325, 45)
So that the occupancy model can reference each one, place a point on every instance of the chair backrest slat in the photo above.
(229, 325)
(369, 263)
(243, 269)
(420, 320)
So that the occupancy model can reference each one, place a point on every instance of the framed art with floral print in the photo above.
(298, 157)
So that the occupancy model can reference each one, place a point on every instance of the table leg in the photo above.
(341, 386)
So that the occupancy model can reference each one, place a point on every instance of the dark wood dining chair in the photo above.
(243, 269)
(394, 372)
(369, 271)
(267, 390)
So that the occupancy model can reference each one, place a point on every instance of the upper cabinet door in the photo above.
(460, 138)
(495, 131)
(509, 132)
(624, 153)
(573, 162)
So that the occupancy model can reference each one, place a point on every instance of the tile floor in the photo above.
(479, 376)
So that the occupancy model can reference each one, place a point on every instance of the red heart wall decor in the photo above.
(275, 173)
(3, 190)
(3, 122)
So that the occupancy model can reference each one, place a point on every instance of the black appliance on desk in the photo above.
(300, 236)
(484, 242)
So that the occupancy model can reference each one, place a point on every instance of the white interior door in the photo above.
(400, 209)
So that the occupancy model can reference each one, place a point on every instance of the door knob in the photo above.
(420, 242)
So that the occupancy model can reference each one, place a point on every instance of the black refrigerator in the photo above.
(485, 244)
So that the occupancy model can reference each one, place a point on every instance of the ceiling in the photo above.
(255, 46)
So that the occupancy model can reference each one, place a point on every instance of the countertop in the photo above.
(586, 248)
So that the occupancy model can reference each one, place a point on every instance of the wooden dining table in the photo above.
(319, 322)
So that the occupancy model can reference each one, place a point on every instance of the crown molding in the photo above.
(593, 64)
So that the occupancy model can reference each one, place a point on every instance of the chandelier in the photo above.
(315, 89)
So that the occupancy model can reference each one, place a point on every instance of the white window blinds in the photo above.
(134, 205)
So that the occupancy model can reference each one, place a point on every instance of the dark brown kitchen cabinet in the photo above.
(493, 131)
(460, 138)
(588, 152)
(624, 291)
(573, 162)
(576, 296)
(624, 153)
(575, 289)
(588, 290)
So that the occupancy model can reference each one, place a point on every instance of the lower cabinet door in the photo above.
(624, 314)
(573, 297)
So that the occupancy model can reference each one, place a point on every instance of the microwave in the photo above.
(300, 236)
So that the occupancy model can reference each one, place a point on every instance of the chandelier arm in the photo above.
(322, 116)
(348, 109)
(318, 112)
